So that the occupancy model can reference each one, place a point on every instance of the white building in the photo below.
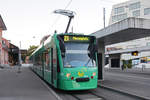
(131, 8)
(134, 9)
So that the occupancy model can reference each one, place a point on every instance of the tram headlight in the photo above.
(94, 73)
(68, 74)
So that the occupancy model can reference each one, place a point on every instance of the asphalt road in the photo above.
(28, 86)
(131, 82)
(22, 86)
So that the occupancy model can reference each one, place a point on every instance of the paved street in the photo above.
(134, 83)
(22, 86)
(28, 86)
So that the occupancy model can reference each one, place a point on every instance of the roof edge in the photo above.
(2, 24)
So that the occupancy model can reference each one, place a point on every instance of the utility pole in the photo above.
(20, 44)
(72, 29)
(20, 61)
(104, 17)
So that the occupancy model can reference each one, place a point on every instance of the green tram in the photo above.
(67, 61)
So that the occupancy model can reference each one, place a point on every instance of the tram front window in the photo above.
(77, 55)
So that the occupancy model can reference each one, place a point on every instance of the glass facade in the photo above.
(118, 10)
(146, 11)
(136, 13)
(119, 17)
(134, 6)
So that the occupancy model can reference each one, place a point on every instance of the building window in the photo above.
(134, 6)
(3, 42)
(118, 10)
(114, 18)
(136, 13)
(148, 44)
(119, 17)
(146, 11)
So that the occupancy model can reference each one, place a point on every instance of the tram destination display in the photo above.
(76, 39)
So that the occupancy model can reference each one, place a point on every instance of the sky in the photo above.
(27, 21)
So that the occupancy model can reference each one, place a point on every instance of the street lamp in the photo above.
(68, 13)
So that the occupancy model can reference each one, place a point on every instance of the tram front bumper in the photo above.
(73, 85)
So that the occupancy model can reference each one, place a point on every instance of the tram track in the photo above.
(91, 96)
(97, 95)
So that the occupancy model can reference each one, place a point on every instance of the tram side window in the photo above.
(34, 61)
(38, 60)
(46, 60)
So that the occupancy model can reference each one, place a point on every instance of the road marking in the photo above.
(94, 99)
(140, 77)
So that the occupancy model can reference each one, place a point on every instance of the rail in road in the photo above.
(101, 93)
(87, 96)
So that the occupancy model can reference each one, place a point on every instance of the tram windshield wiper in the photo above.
(87, 62)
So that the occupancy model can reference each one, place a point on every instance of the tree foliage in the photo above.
(127, 64)
(31, 50)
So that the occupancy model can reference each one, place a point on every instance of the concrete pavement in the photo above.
(135, 82)
(22, 86)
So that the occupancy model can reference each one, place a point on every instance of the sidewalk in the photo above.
(133, 81)
(22, 86)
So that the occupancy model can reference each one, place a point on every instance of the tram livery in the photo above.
(67, 61)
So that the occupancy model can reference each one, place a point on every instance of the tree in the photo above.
(31, 50)
(127, 64)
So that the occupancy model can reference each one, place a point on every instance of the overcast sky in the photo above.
(26, 19)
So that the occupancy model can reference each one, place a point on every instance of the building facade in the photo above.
(131, 8)
(120, 12)
(13, 54)
(2, 45)
(4, 52)
(134, 9)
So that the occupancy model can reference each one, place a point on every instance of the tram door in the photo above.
(43, 65)
(54, 66)
(52, 81)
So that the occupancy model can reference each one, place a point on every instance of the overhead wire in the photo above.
(68, 4)
(60, 15)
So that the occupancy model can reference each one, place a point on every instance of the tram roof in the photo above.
(40, 46)
(80, 34)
